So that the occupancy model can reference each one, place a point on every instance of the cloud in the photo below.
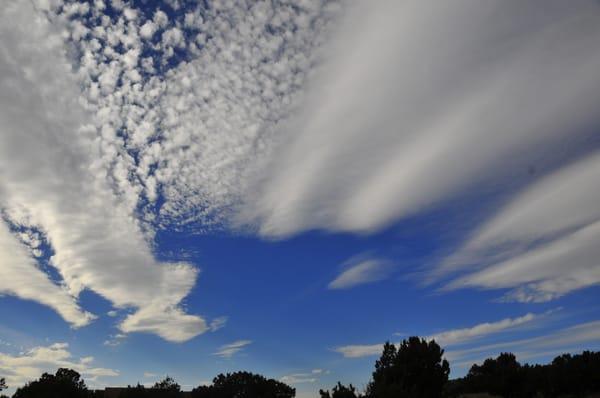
(299, 378)
(52, 180)
(360, 271)
(26, 366)
(391, 126)
(526, 245)
(110, 134)
(19, 276)
(229, 350)
(359, 351)
(115, 340)
(217, 323)
(304, 377)
(450, 337)
(557, 342)
(456, 336)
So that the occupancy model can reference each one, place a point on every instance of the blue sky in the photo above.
(193, 188)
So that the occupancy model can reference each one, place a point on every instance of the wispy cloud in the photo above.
(305, 377)
(566, 339)
(526, 245)
(299, 378)
(361, 270)
(229, 350)
(360, 350)
(450, 337)
(382, 137)
(456, 336)
(217, 323)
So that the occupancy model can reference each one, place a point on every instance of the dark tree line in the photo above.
(416, 369)
(244, 385)
(565, 376)
(67, 383)
(413, 369)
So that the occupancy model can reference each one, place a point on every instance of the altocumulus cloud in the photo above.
(51, 181)
(93, 134)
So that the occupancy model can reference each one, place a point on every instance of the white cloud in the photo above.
(304, 377)
(527, 245)
(23, 367)
(90, 141)
(360, 350)
(19, 276)
(115, 340)
(53, 181)
(217, 323)
(566, 339)
(392, 125)
(298, 378)
(449, 337)
(457, 336)
(229, 350)
(147, 30)
(171, 323)
(360, 271)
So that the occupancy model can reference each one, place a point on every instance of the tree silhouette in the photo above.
(244, 385)
(573, 376)
(415, 369)
(500, 376)
(167, 384)
(340, 391)
(3, 386)
(66, 383)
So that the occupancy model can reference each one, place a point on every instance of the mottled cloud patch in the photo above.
(116, 123)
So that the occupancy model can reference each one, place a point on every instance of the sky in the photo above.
(196, 187)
